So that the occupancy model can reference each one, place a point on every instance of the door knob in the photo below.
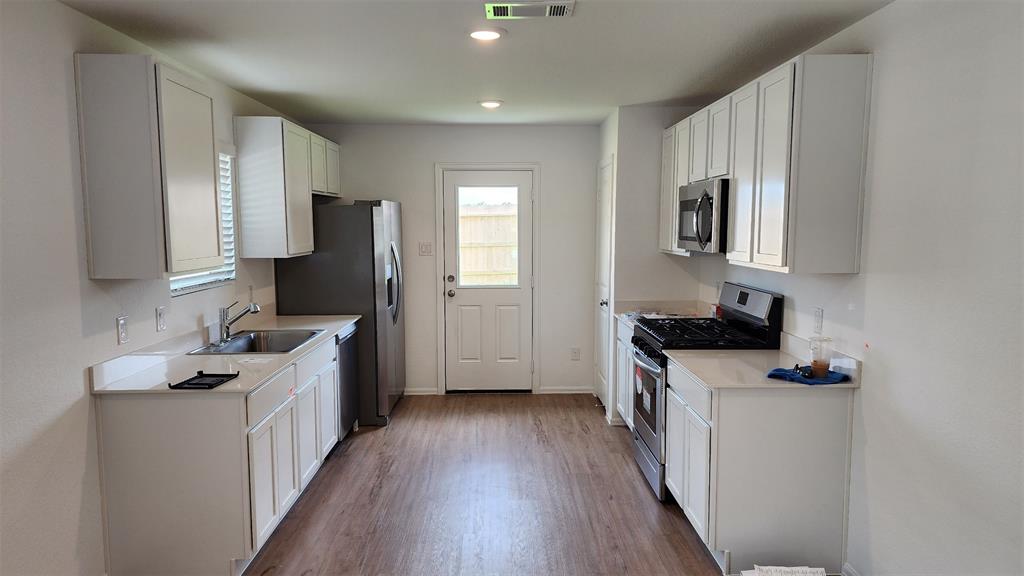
(603, 303)
(451, 293)
(451, 278)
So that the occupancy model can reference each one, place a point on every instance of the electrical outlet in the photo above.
(161, 318)
(426, 249)
(574, 354)
(819, 317)
(122, 329)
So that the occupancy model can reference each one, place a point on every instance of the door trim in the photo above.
(439, 169)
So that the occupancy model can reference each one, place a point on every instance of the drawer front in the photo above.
(311, 365)
(695, 394)
(625, 332)
(263, 400)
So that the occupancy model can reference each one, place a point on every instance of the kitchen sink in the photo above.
(260, 342)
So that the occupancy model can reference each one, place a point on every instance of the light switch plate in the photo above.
(122, 329)
(161, 318)
(426, 249)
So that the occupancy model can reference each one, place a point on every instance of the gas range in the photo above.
(751, 319)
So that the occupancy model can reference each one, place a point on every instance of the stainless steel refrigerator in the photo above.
(356, 268)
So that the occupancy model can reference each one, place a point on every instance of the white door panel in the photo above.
(488, 284)
(603, 353)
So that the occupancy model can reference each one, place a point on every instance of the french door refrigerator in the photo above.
(356, 268)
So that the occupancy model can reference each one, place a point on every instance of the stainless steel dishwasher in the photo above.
(348, 382)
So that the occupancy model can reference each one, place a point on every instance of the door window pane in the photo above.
(488, 235)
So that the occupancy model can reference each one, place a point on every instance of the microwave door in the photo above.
(687, 230)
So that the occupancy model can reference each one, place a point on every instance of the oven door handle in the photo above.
(646, 363)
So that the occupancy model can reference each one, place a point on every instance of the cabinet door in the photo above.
(317, 163)
(620, 378)
(681, 169)
(262, 476)
(744, 167)
(675, 444)
(699, 145)
(308, 414)
(329, 409)
(189, 161)
(333, 169)
(286, 462)
(667, 210)
(775, 118)
(718, 138)
(297, 190)
(697, 471)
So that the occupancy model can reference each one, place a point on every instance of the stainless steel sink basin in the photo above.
(260, 342)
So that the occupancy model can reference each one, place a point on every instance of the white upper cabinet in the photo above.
(275, 202)
(298, 190)
(666, 223)
(699, 145)
(149, 168)
(811, 135)
(775, 117)
(718, 138)
(744, 165)
(333, 169)
(318, 163)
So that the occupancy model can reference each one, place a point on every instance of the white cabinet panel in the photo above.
(333, 169)
(298, 190)
(697, 471)
(675, 444)
(743, 172)
(667, 210)
(262, 475)
(286, 462)
(718, 137)
(318, 163)
(699, 145)
(775, 117)
(308, 414)
(191, 198)
(682, 163)
(329, 409)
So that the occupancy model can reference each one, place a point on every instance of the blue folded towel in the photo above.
(795, 376)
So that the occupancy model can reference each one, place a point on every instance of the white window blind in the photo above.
(193, 281)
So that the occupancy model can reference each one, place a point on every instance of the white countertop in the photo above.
(157, 369)
(741, 368)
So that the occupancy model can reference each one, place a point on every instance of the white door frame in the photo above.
(439, 169)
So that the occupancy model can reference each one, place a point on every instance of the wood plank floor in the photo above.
(484, 485)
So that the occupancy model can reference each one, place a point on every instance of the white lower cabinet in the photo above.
(228, 467)
(696, 469)
(330, 409)
(262, 471)
(675, 444)
(737, 461)
(309, 405)
(624, 372)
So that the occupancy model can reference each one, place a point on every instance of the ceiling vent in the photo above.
(529, 9)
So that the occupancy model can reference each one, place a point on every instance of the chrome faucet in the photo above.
(226, 321)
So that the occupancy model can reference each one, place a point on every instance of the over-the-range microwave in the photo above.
(703, 209)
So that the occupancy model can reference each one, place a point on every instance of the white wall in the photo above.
(642, 272)
(55, 321)
(396, 162)
(936, 313)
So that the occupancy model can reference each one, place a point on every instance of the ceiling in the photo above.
(412, 61)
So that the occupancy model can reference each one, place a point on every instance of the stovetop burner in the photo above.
(677, 333)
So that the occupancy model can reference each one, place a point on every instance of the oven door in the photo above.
(649, 402)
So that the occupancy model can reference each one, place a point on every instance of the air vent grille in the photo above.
(529, 9)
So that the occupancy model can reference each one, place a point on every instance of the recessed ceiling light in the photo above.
(491, 104)
(488, 34)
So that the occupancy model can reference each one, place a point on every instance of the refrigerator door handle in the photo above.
(399, 288)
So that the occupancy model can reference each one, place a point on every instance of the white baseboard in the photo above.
(849, 570)
(420, 391)
(564, 390)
